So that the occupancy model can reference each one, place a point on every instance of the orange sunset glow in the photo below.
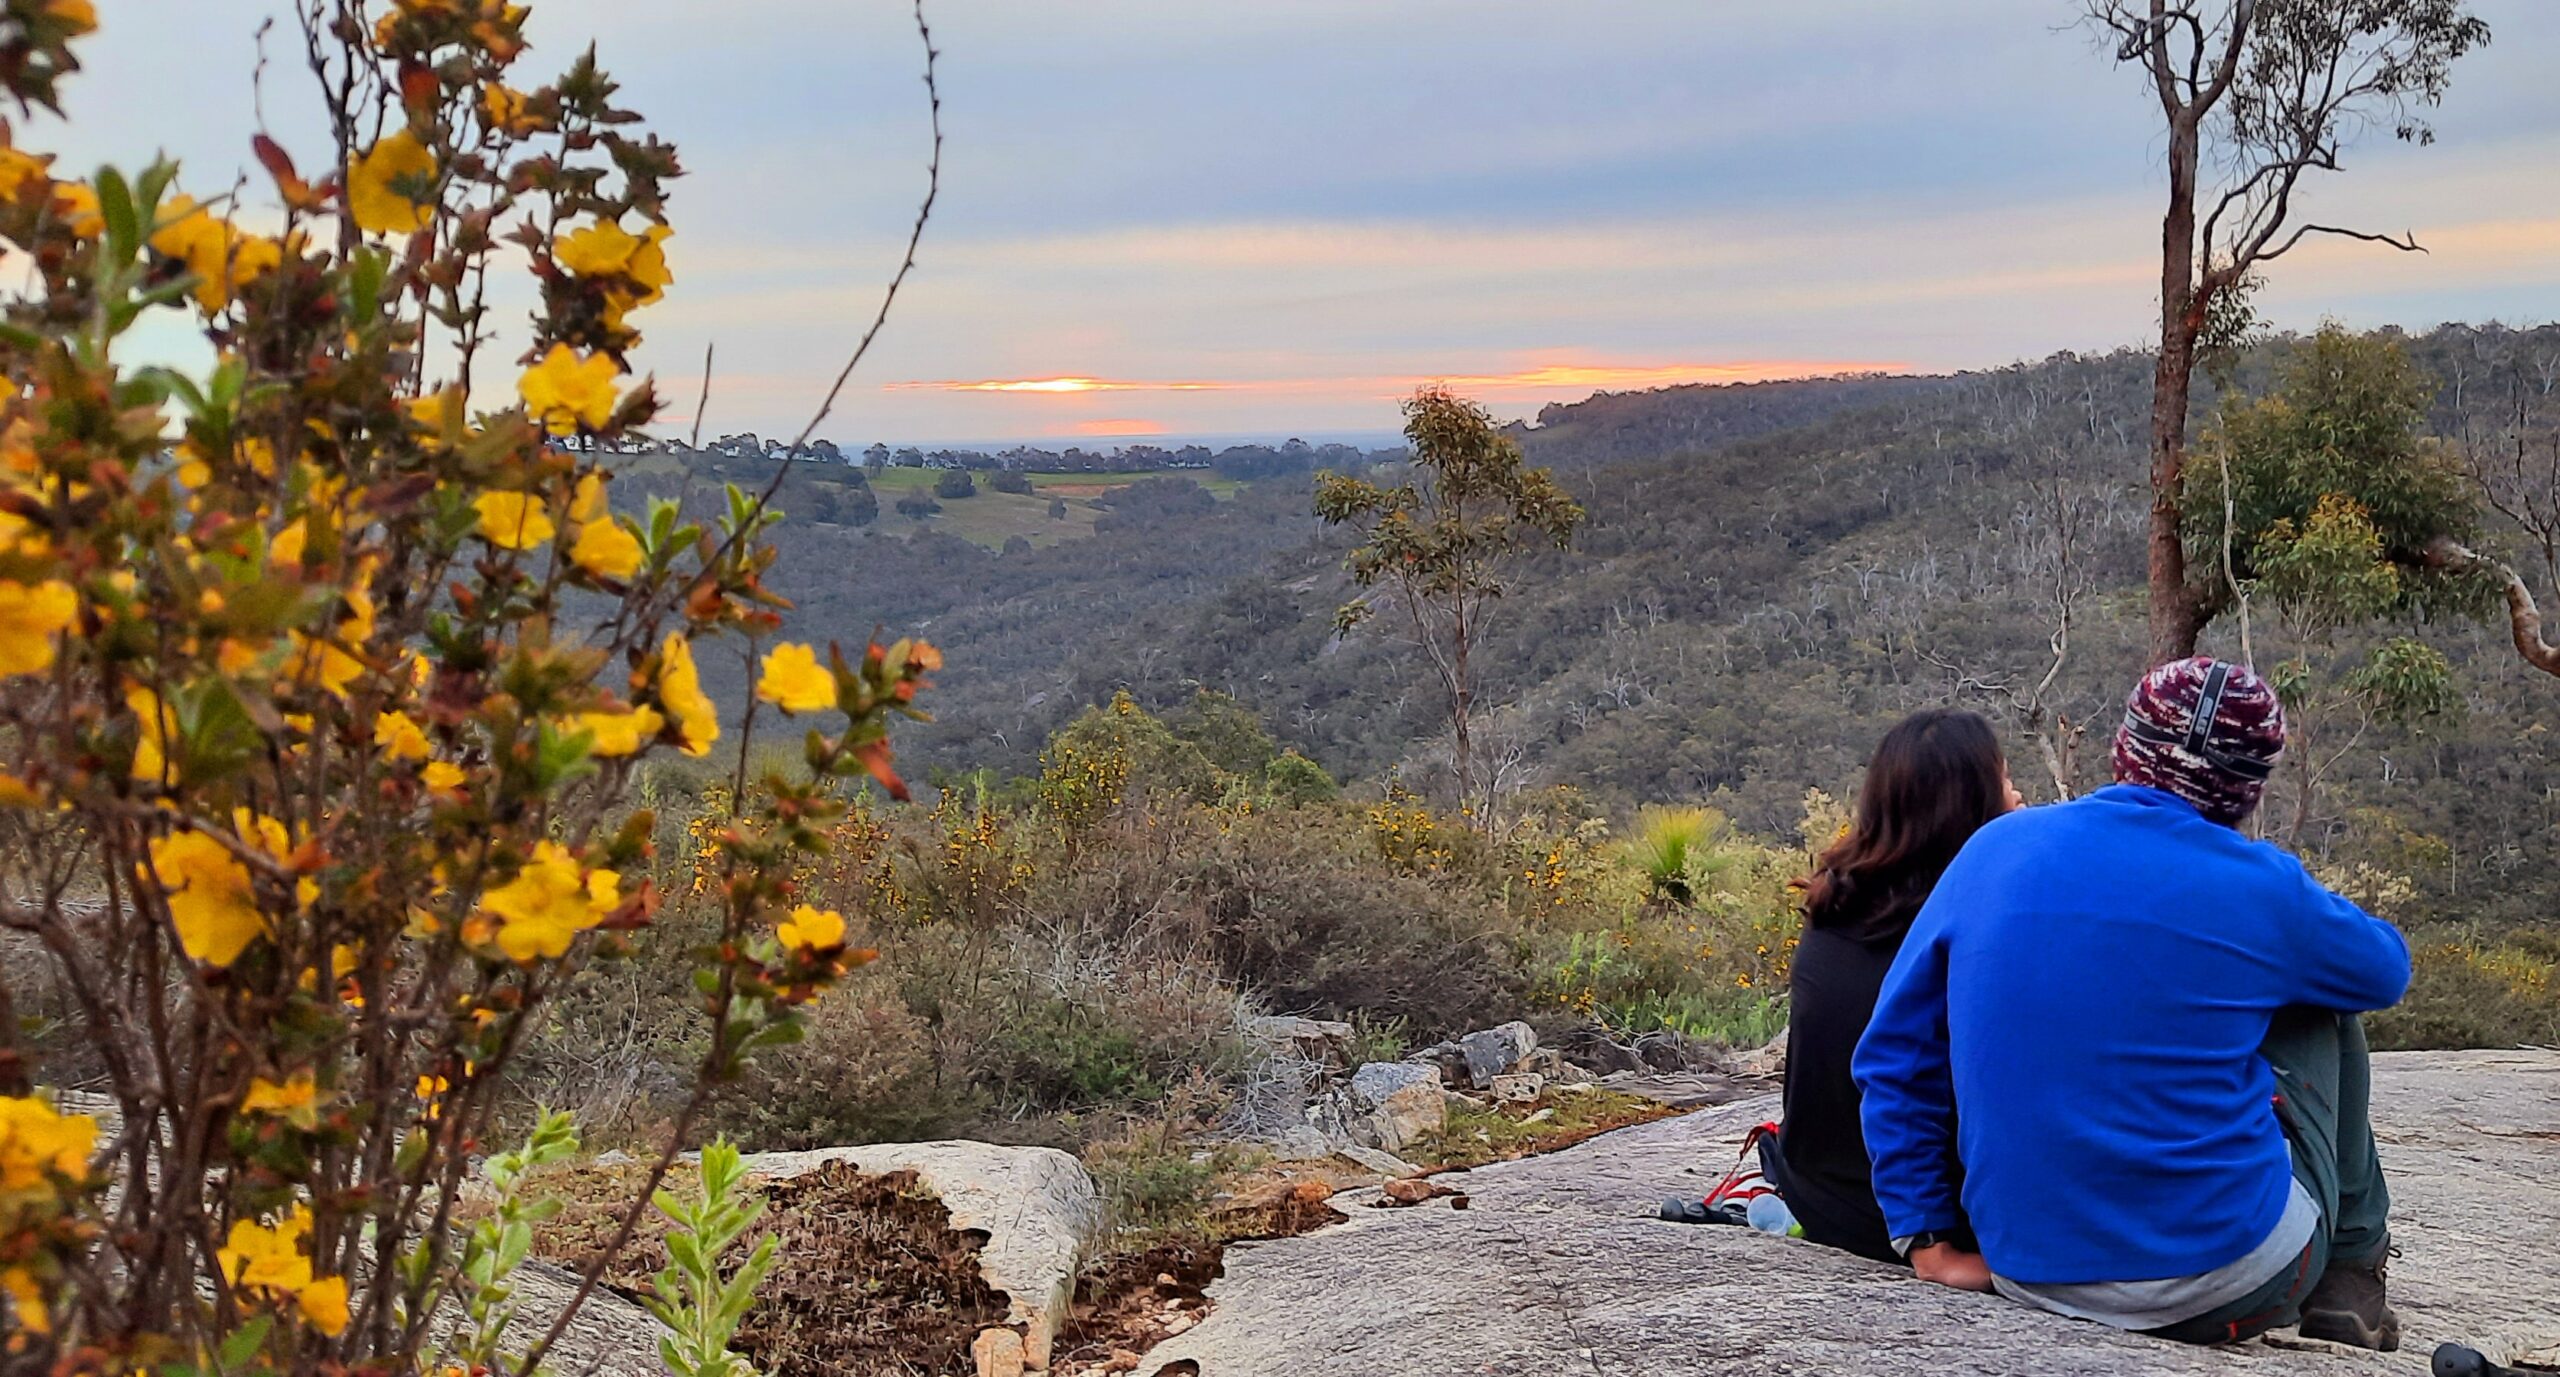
(1562, 377)
(1117, 426)
(1053, 386)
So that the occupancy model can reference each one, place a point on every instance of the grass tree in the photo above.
(1442, 542)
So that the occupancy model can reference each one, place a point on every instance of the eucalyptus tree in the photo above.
(2254, 96)
(1443, 540)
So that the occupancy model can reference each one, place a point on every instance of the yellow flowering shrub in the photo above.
(323, 683)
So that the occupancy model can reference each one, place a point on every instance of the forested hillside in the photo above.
(1740, 617)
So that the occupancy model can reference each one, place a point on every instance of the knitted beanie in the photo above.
(2223, 771)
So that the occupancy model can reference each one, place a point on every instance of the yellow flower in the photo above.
(76, 205)
(269, 1258)
(603, 249)
(26, 1299)
(78, 16)
(296, 1100)
(649, 264)
(324, 1303)
(549, 902)
(439, 413)
(505, 107)
(287, 549)
(794, 681)
(621, 733)
(564, 392)
(156, 724)
(603, 548)
(443, 776)
(36, 1141)
(400, 736)
(210, 897)
(189, 233)
(811, 929)
(17, 168)
(680, 690)
(514, 520)
(379, 186)
(31, 616)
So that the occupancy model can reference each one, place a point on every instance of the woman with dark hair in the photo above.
(1936, 778)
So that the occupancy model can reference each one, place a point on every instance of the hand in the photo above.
(1948, 1265)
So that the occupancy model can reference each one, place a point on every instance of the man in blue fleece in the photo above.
(2128, 1031)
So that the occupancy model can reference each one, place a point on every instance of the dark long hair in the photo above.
(1936, 778)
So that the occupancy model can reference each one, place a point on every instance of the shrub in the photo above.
(2466, 994)
(1010, 480)
(323, 709)
(918, 507)
(955, 484)
(1296, 781)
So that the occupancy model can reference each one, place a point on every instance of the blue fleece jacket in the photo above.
(2072, 1029)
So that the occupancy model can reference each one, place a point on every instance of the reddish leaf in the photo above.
(875, 758)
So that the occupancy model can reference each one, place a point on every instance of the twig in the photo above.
(2230, 517)
(704, 403)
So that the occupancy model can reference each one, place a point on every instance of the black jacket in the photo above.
(1821, 1149)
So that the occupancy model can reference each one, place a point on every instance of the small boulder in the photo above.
(1316, 1039)
(1594, 1050)
(1664, 1050)
(1768, 1060)
(1497, 1051)
(1520, 1087)
(998, 1353)
(1301, 1143)
(1394, 1103)
(1371, 1159)
(1446, 1057)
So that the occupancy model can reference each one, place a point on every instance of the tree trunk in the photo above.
(1461, 710)
(2525, 621)
(2524, 617)
(2173, 621)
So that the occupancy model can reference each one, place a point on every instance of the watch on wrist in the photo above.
(1927, 1238)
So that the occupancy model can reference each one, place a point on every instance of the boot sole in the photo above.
(2346, 1327)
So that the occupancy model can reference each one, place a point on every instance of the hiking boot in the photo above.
(2348, 1307)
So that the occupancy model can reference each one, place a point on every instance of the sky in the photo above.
(1184, 218)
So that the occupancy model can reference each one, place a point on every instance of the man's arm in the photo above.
(2344, 958)
(1906, 1090)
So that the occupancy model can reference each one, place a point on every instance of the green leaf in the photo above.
(242, 1344)
(115, 206)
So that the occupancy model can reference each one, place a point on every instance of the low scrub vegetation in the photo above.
(1066, 949)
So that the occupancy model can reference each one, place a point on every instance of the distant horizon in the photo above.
(1532, 202)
